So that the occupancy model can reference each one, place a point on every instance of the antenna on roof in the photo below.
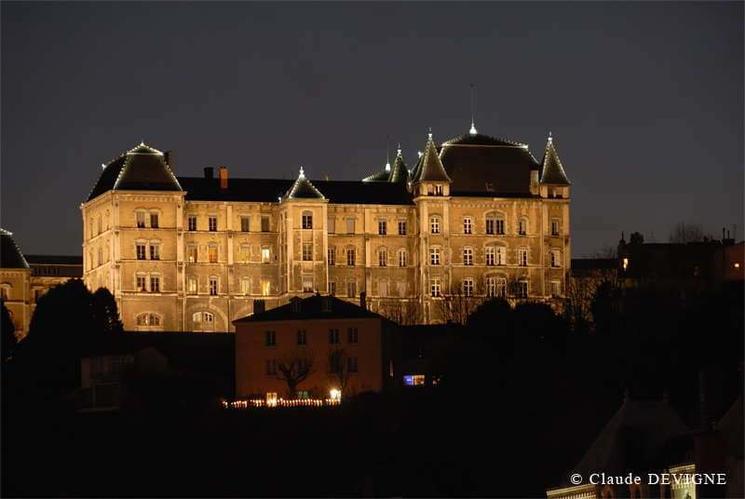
(473, 130)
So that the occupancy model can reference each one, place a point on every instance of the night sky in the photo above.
(645, 101)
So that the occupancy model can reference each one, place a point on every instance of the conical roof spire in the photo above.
(10, 255)
(303, 188)
(552, 171)
(431, 169)
(399, 173)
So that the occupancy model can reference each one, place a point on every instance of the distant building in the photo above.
(24, 279)
(341, 346)
(477, 216)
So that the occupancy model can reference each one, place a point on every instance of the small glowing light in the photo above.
(625, 263)
(398, 151)
(473, 130)
(737, 265)
(550, 138)
(335, 394)
(103, 166)
(302, 173)
(387, 166)
(419, 153)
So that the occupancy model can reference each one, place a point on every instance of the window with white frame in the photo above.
(382, 257)
(141, 250)
(555, 229)
(434, 225)
(501, 253)
(435, 287)
(191, 253)
(308, 286)
(154, 220)
(350, 256)
(307, 252)
(490, 254)
(154, 250)
(522, 289)
(266, 254)
(467, 256)
(522, 226)
(141, 282)
(491, 286)
(402, 227)
(494, 224)
(203, 320)
(307, 219)
(555, 256)
(246, 285)
(213, 285)
(501, 287)
(522, 257)
(382, 227)
(331, 256)
(191, 223)
(467, 225)
(140, 220)
(434, 256)
(191, 285)
(212, 223)
(402, 258)
(555, 288)
(154, 283)
(467, 286)
(148, 320)
(351, 289)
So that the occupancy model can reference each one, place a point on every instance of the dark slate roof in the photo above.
(381, 176)
(54, 259)
(10, 255)
(303, 189)
(553, 171)
(399, 172)
(311, 308)
(141, 168)
(590, 264)
(431, 168)
(480, 163)
(270, 190)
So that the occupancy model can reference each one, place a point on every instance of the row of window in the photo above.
(301, 338)
(142, 216)
(493, 287)
(193, 225)
(141, 250)
(272, 366)
(97, 225)
(493, 225)
(494, 255)
(192, 286)
(98, 256)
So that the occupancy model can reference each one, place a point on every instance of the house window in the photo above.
(522, 227)
(140, 221)
(352, 335)
(332, 256)
(212, 252)
(382, 227)
(434, 225)
(191, 252)
(154, 220)
(264, 223)
(402, 258)
(491, 286)
(307, 220)
(333, 336)
(350, 225)
(434, 256)
(192, 286)
(554, 227)
(490, 255)
(351, 289)
(502, 287)
(522, 289)
(100, 225)
(154, 251)
(383, 288)
(308, 284)
(331, 225)
(206, 318)
(467, 256)
(501, 255)
(245, 224)
(494, 225)
(140, 283)
(402, 227)
(434, 286)
(332, 288)
(467, 286)
(5, 290)
(555, 258)
(350, 256)
(555, 288)
(438, 190)
(140, 251)
(212, 223)
(307, 252)
(154, 284)
(191, 222)
(522, 257)
(351, 364)
(266, 287)
(302, 337)
(271, 367)
(213, 286)
(467, 225)
(148, 320)
(265, 254)
(245, 253)
(382, 257)
(246, 286)
(270, 338)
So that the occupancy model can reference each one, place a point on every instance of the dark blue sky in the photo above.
(645, 101)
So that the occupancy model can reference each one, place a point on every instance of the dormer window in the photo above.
(438, 190)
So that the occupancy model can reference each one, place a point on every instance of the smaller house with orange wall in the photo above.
(312, 348)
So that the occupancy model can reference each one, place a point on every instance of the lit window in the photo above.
(192, 222)
(191, 252)
(212, 252)
(467, 225)
(434, 256)
(154, 284)
(266, 287)
(245, 224)
(265, 254)
(332, 256)
(154, 220)
(350, 256)
(212, 223)
(307, 220)
(434, 286)
(308, 284)
(413, 379)
(438, 190)
(213, 286)
(402, 227)
(468, 286)
(625, 263)
(140, 251)
(246, 286)
(467, 256)
(307, 252)
(192, 286)
(434, 225)
(402, 258)
(382, 257)
(140, 220)
(382, 227)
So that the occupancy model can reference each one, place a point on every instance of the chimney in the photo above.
(363, 300)
(209, 173)
(222, 174)
(259, 306)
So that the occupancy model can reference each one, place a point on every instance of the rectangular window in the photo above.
(266, 254)
(352, 335)
(331, 225)
(467, 225)
(308, 284)
(490, 256)
(522, 256)
(246, 286)
(154, 220)
(491, 287)
(555, 258)
(500, 226)
(332, 288)
(212, 253)
(522, 227)
(382, 227)
(191, 253)
(333, 336)
(467, 256)
(434, 225)
(270, 338)
(382, 258)
(351, 289)
(434, 256)
(302, 337)
(192, 222)
(154, 284)
(332, 256)
(402, 227)
(140, 221)
(307, 252)
(266, 287)
(350, 225)
(245, 224)
(351, 364)
(154, 252)
(213, 286)
(212, 223)
(271, 367)
(140, 251)
(350, 257)
(468, 286)
(141, 284)
(307, 220)
(265, 227)
(555, 288)
(192, 286)
(402, 258)
(522, 289)
(434, 286)
(501, 256)
(554, 227)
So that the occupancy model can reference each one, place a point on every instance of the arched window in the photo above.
(148, 321)
(494, 223)
(522, 226)
(140, 219)
(307, 220)
(203, 321)
(434, 224)
(382, 257)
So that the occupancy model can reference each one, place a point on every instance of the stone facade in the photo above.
(193, 254)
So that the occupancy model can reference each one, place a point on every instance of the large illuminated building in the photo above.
(477, 216)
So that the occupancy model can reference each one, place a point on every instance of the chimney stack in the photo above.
(222, 174)
(259, 306)
(209, 173)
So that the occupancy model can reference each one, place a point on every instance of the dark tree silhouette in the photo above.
(293, 370)
(106, 312)
(9, 340)
(339, 368)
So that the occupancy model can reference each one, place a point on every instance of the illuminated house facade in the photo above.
(477, 216)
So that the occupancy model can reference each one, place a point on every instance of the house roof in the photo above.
(313, 307)
(54, 259)
(10, 255)
(552, 169)
(303, 189)
(431, 168)
(399, 172)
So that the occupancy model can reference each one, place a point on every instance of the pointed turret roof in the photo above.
(552, 169)
(10, 255)
(303, 189)
(399, 172)
(431, 169)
